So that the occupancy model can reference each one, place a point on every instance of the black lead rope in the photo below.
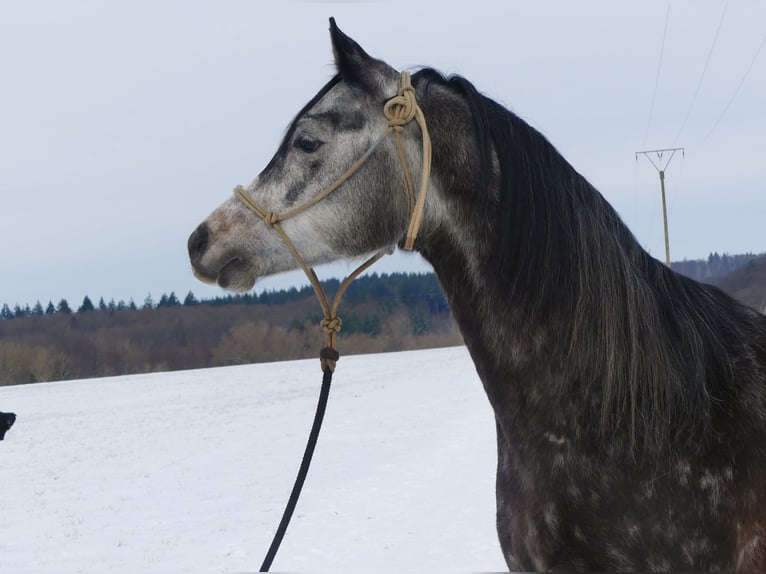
(399, 111)
(324, 393)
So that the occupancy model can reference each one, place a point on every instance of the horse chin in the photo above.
(237, 275)
(202, 277)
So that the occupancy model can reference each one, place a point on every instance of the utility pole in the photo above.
(661, 165)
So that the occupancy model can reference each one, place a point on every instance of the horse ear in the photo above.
(356, 65)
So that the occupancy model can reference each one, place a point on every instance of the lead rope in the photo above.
(399, 110)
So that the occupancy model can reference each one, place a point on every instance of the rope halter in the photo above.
(399, 111)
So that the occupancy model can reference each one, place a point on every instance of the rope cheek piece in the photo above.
(399, 111)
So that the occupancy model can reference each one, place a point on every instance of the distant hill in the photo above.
(747, 283)
(741, 276)
(715, 267)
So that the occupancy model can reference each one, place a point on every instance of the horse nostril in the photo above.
(198, 242)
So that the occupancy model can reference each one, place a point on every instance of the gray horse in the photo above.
(630, 401)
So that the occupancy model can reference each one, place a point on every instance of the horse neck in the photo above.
(510, 231)
(553, 295)
(490, 298)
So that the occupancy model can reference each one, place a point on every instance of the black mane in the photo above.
(654, 344)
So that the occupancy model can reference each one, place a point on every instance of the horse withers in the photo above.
(630, 401)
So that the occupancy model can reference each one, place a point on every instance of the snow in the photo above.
(189, 471)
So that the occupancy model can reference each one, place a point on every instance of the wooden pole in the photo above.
(663, 165)
(665, 218)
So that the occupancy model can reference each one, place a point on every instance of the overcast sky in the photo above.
(123, 124)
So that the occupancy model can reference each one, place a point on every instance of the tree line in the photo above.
(87, 305)
(715, 267)
(380, 313)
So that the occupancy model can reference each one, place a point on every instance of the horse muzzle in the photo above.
(229, 271)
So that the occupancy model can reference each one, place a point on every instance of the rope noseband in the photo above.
(399, 111)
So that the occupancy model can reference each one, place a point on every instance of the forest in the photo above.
(56, 342)
(380, 313)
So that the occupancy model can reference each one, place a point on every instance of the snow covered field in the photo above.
(189, 471)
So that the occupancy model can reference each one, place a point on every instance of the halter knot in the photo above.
(400, 110)
(330, 326)
(270, 218)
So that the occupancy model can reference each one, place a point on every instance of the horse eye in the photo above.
(307, 144)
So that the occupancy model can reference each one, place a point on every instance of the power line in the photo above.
(657, 78)
(739, 87)
(702, 77)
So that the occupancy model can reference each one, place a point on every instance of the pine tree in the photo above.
(50, 309)
(190, 299)
(5, 312)
(101, 304)
(87, 305)
(148, 302)
(63, 307)
(37, 310)
(168, 300)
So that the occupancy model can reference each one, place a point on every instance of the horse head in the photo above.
(341, 126)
